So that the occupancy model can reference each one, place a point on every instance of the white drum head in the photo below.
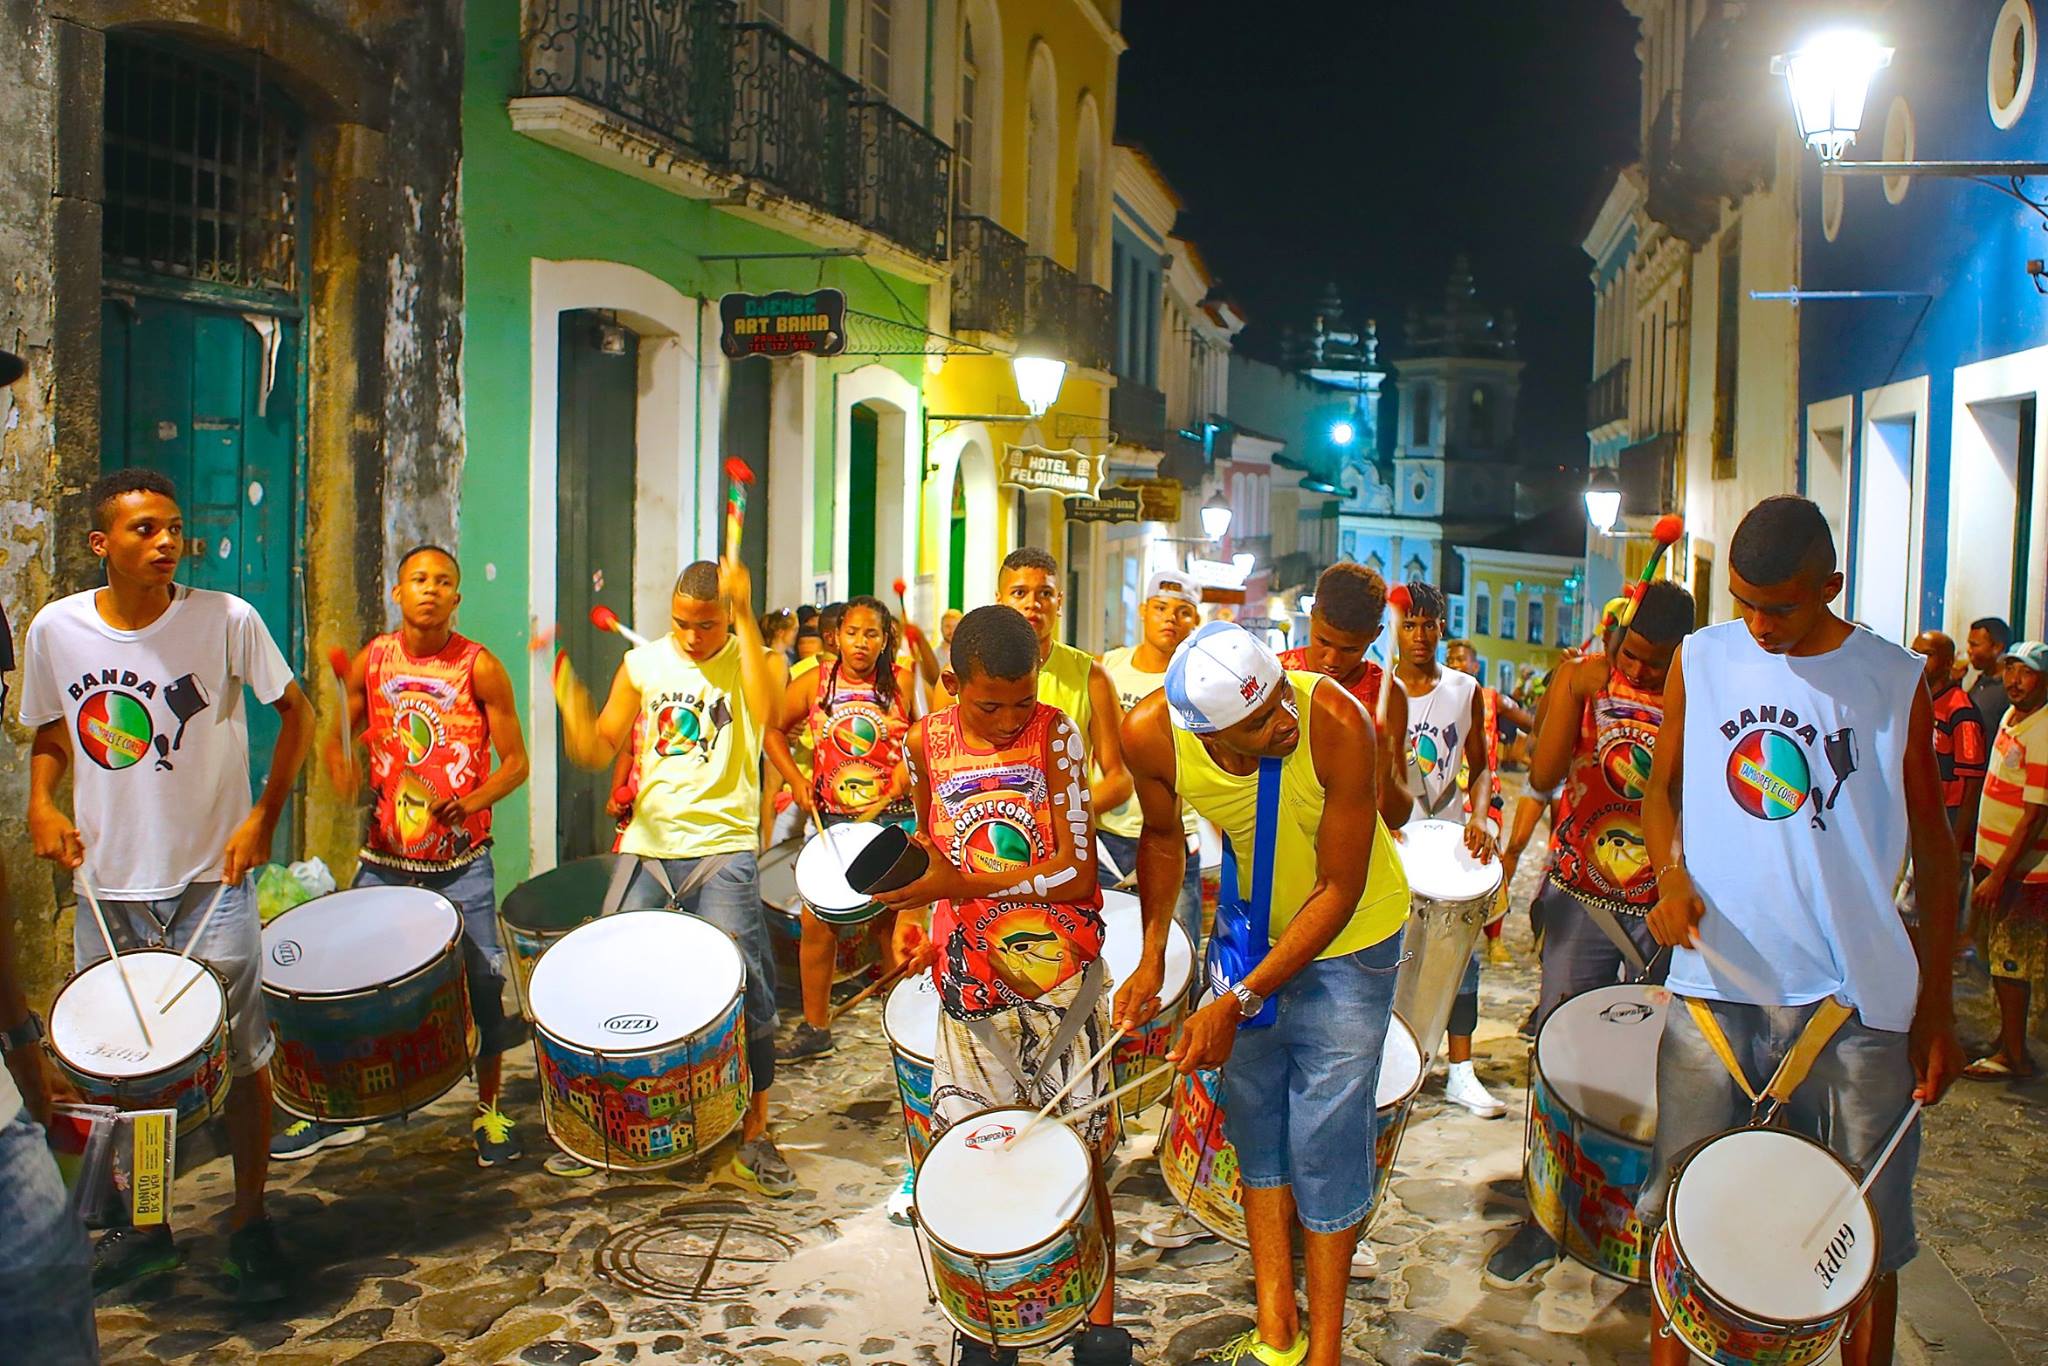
(355, 940)
(910, 1017)
(634, 982)
(778, 877)
(93, 1028)
(1742, 1209)
(1439, 866)
(1400, 1065)
(1123, 944)
(1598, 1056)
(821, 867)
(980, 1194)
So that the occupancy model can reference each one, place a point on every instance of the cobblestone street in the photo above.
(411, 1254)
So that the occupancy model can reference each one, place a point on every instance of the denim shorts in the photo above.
(45, 1263)
(1300, 1096)
(233, 947)
(1123, 851)
(1851, 1101)
(473, 890)
(726, 890)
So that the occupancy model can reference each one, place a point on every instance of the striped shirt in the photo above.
(2018, 778)
(1959, 745)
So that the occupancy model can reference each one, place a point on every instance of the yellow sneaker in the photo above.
(1248, 1345)
(1497, 953)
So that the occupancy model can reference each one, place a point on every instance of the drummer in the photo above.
(1597, 734)
(852, 713)
(1793, 774)
(700, 695)
(1068, 678)
(144, 677)
(429, 705)
(1449, 740)
(1018, 927)
(1298, 1095)
(1346, 621)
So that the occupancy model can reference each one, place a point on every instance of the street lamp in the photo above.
(1216, 514)
(1039, 372)
(1603, 500)
(1342, 432)
(1829, 79)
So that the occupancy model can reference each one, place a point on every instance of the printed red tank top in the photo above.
(991, 811)
(1599, 851)
(428, 742)
(856, 742)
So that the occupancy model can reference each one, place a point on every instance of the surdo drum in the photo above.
(853, 954)
(542, 909)
(368, 1003)
(1452, 896)
(98, 1048)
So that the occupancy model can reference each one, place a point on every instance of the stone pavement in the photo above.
(411, 1254)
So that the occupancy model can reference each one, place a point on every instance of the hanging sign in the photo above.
(1077, 474)
(1159, 499)
(782, 323)
(1118, 503)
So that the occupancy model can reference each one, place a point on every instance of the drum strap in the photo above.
(1611, 927)
(1820, 1028)
(622, 877)
(1094, 978)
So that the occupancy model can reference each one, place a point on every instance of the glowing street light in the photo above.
(1829, 78)
(1039, 377)
(1216, 515)
(1603, 500)
(1342, 432)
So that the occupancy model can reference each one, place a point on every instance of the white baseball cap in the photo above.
(1219, 675)
(1167, 584)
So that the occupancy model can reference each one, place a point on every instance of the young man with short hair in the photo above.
(2012, 859)
(143, 680)
(429, 705)
(1068, 678)
(1986, 645)
(1793, 773)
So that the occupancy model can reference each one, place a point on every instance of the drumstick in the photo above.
(870, 989)
(1096, 1104)
(163, 1006)
(120, 968)
(1075, 1080)
(1402, 602)
(738, 476)
(1718, 961)
(605, 619)
(337, 659)
(1834, 1211)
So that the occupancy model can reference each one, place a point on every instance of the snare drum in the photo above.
(1592, 1116)
(1200, 1166)
(821, 874)
(542, 909)
(1732, 1267)
(640, 1037)
(99, 1049)
(910, 1021)
(1452, 896)
(854, 954)
(368, 1003)
(1013, 1232)
(1145, 1049)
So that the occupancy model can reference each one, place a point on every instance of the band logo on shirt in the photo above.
(689, 724)
(115, 726)
(1772, 773)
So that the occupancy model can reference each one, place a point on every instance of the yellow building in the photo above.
(1522, 605)
(1033, 102)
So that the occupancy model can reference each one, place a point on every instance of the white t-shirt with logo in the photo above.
(1438, 722)
(159, 734)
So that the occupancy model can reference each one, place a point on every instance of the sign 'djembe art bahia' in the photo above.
(782, 323)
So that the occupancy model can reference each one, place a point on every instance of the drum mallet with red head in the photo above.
(737, 476)
(605, 619)
(1402, 602)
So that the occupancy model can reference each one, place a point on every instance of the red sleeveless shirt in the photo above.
(428, 742)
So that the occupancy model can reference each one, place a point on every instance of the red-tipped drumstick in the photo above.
(1402, 602)
(910, 632)
(605, 619)
(1664, 533)
(737, 477)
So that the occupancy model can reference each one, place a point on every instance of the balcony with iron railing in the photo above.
(988, 277)
(1092, 344)
(1607, 397)
(662, 67)
(1649, 473)
(902, 179)
(791, 119)
(1137, 414)
(1048, 298)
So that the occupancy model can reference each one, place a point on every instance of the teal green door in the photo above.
(596, 471)
(956, 575)
(860, 502)
(188, 390)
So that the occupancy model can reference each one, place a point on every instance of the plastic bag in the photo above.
(278, 890)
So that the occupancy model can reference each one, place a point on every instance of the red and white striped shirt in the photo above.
(2018, 778)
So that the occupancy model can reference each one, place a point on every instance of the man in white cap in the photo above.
(1298, 1090)
(1172, 608)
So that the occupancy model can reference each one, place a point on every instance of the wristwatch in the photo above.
(29, 1031)
(1249, 1002)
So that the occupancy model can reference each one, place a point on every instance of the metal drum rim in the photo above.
(505, 902)
(584, 1051)
(217, 1031)
(1536, 1077)
(738, 992)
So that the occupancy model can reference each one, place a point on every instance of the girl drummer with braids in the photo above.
(854, 710)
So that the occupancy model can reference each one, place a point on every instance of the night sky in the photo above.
(1368, 142)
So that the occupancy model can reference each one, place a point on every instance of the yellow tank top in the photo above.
(1231, 801)
(700, 755)
(1063, 682)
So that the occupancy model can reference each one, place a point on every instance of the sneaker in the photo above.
(1517, 1260)
(128, 1254)
(257, 1264)
(304, 1137)
(903, 1201)
(1365, 1263)
(1177, 1230)
(495, 1141)
(969, 1351)
(760, 1164)
(1461, 1087)
(1497, 952)
(563, 1164)
(805, 1041)
(1103, 1344)
(1248, 1344)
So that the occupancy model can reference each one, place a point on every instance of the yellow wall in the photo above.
(1491, 647)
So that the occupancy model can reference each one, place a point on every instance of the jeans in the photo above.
(233, 947)
(1578, 956)
(473, 890)
(1300, 1097)
(45, 1262)
(1123, 851)
(1465, 1006)
(725, 889)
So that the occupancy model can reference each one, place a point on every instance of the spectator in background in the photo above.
(2012, 859)
(1961, 751)
(778, 633)
(949, 622)
(1986, 644)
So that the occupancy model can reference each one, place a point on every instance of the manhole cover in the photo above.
(709, 1251)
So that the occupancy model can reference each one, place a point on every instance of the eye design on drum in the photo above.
(630, 1024)
(1768, 775)
(114, 729)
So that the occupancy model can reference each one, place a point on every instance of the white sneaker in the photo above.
(1461, 1087)
(900, 1203)
(1365, 1263)
(1178, 1230)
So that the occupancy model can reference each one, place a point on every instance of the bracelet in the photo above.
(1671, 868)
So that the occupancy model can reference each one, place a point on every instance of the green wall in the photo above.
(523, 200)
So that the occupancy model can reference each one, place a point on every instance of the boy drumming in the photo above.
(701, 695)
(1298, 1094)
(429, 705)
(1018, 925)
(143, 679)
